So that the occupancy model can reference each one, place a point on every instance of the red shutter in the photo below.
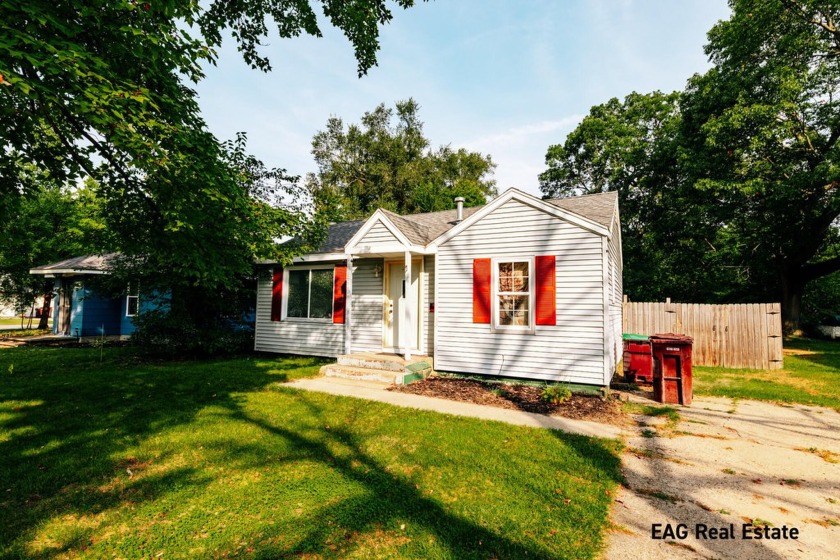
(481, 290)
(339, 293)
(277, 295)
(546, 303)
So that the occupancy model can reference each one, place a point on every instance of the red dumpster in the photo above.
(638, 360)
(672, 368)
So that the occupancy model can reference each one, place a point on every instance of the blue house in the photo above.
(80, 309)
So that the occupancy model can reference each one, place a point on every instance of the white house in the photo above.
(521, 287)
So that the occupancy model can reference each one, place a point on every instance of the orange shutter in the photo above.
(546, 303)
(339, 293)
(481, 290)
(277, 295)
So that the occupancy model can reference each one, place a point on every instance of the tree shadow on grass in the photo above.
(69, 424)
(390, 499)
(66, 417)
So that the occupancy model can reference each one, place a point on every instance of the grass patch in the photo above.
(671, 414)
(811, 375)
(668, 412)
(728, 471)
(126, 458)
(17, 333)
(824, 454)
(16, 322)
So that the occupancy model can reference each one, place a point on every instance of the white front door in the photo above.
(395, 302)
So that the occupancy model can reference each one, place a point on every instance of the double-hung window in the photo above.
(309, 293)
(513, 286)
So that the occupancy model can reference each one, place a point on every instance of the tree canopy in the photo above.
(730, 187)
(52, 223)
(386, 161)
(103, 89)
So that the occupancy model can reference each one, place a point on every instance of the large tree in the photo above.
(103, 89)
(386, 161)
(736, 178)
(53, 223)
(765, 122)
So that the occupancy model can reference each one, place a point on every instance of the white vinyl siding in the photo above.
(378, 234)
(367, 305)
(293, 337)
(571, 351)
(427, 317)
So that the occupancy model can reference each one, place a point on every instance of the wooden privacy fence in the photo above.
(734, 336)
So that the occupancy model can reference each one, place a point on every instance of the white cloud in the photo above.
(523, 134)
(519, 152)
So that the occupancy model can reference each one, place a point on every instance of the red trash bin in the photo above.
(672, 368)
(638, 360)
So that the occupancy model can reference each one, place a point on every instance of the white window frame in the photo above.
(494, 278)
(286, 285)
(129, 297)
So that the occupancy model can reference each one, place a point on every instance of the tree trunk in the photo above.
(792, 288)
(45, 309)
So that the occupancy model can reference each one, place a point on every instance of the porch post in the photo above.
(348, 307)
(405, 332)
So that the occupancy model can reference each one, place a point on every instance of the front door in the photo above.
(395, 302)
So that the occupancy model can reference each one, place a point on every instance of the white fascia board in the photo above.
(305, 258)
(534, 202)
(378, 216)
(381, 248)
(320, 257)
(54, 271)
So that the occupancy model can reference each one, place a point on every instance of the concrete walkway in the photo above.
(377, 392)
(728, 463)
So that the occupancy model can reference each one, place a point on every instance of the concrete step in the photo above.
(385, 362)
(373, 362)
(366, 374)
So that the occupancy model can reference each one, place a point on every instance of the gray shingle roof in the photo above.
(338, 236)
(425, 228)
(97, 263)
(599, 207)
(422, 229)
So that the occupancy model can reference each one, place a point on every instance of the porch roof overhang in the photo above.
(399, 246)
(53, 273)
(87, 264)
(389, 250)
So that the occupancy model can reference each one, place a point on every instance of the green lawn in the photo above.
(15, 321)
(811, 375)
(210, 459)
(17, 333)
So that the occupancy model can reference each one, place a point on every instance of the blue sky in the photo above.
(506, 78)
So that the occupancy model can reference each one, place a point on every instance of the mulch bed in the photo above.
(518, 397)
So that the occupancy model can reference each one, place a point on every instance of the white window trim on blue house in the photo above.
(128, 298)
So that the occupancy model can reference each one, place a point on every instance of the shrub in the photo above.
(556, 394)
(169, 333)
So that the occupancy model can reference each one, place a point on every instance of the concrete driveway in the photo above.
(725, 465)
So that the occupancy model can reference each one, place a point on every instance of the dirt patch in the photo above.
(517, 397)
